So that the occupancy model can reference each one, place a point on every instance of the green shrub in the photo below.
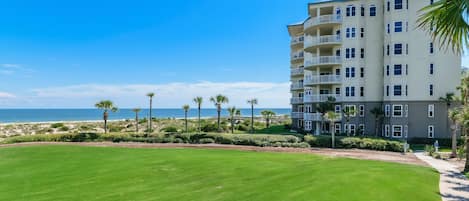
(56, 125)
(170, 129)
(355, 143)
(461, 152)
(430, 150)
(206, 141)
(443, 142)
(64, 128)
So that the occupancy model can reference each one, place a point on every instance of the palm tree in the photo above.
(252, 102)
(378, 113)
(106, 106)
(186, 109)
(150, 95)
(453, 114)
(325, 107)
(198, 100)
(136, 110)
(332, 117)
(267, 114)
(446, 21)
(448, 99)
(218, 100)
(233, 114)
(348, 113)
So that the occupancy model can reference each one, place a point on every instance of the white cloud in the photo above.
(10, 65)
(4, 95)
(171, 95)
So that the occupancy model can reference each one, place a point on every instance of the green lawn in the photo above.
(112, 174)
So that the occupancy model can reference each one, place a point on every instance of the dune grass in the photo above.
(72, 173)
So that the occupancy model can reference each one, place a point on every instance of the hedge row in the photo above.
(442, 142)
(355, 143)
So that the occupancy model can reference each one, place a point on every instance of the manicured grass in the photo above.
(57, 173)
(275, 129)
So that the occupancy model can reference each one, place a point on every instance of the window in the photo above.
(362, 72)
(338, 109)
(397, 26)
(348, 11)
(406, 90)
(431, 69)
(352, 129)
(361, 129)
(347, 72)
(398, 69)
(352, 52)
(337, 71)
(353, 10)
(387, 90)
(337, 91)
(388, 28)
(337, 128)
(407, 69)
(431, 90)
(387, 110)
(387, 70)
(352, 91)
(347, 91)
(372, 10)
(362, 53)
(431, 131)
(397, 131)
(362, 91)
(361, 110)
(351, 108)
(347, 33)
(388, 5)
(362, 32)
(407, 49)
(398, 49)
(387, 50)
(352, 72)
(397, 90)
(386, 130)
(347, 53)
(431, 2)
(337, 12)
(431, 48)
(353, 33)
(362, 11)
(398, 4)
(397, 110)
(431, 110)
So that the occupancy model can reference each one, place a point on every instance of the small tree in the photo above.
(453, 114)
(198, 100)
(150, 96)
(218, 100)
(106, 106)
(186, 110)
(325, 107)
(233, 114)
(378, 112)
(332, 117)
(267, 114)
(348, 113)
(252, 102)
(136, 110)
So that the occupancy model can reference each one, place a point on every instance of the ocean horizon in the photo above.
(56, 115)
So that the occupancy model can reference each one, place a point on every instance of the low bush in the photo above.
(170, 129)
(355, 143)
(64, 128)
(56, 125)
(442, 142)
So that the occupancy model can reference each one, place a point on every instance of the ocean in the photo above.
(53, 115)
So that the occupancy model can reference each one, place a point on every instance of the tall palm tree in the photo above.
(332, 117)
(448, 100)
(218, 100)
(186, 110)
(267, 114)
(106, 106)
(252, 102)
(348, 113)
(234, 112)
(325, 107)
(136, 110)
(378, 112)
(198, 100)
(446, 21)
(463, 115)
(150, 95)
(453, 114)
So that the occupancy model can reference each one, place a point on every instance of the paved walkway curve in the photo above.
(454, 186)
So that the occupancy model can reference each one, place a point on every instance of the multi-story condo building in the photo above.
(370, 54)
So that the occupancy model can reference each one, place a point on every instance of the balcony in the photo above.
(296, 100)
(321, 98)
(296, 86)
(322, 20)
(312, 116)
(322, 41)
(323, 61)
(297, 40)
(297, 72)
(297, 115)
(297, 56)
(323, 79)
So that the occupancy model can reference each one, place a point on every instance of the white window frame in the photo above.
(338, 109)
(337, 128)
(347, 107)
(431, 131)
(431, 110)
(387, 110)
(394, 127)
(361, 127)
(387, 130)
(406, 110)
(352, 130)
(394, 110)
(361, 110)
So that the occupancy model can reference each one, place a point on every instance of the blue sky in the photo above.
(62, 54)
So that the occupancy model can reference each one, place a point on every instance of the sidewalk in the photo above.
(454, 186)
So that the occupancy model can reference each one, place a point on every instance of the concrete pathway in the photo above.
(454, 186)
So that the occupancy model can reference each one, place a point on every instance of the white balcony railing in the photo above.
(321, 98)
(297, 71)
(323, 19)
(297, 55)
(324, 60)
(323, 79)
(296, 100)
(312, 116)
(322, 40)
(297, 115)
(296, 86)
(297, 40)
